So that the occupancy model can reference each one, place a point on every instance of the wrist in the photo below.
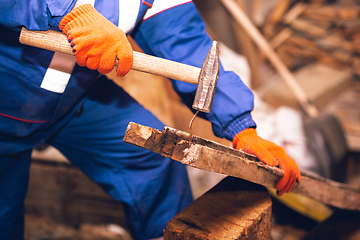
(244, 121)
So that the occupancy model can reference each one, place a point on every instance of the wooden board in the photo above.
(214, 157)
(320, 82)
(346, 108)
(233, 209)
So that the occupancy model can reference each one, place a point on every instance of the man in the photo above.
(83, 114)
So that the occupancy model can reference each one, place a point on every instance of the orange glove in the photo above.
(271, 154)
(96, 41)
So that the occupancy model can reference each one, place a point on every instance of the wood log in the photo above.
(289, 59)
(309, 28)
(317, 2)
(300, 53)
(279, 11)
(349, 27)
(342, 56)
(281, 37)
(323, 12)
(275, 17)
(294, 12)
(302, 42)
(233, 209)
(335, 41)
(321, 82)
(346, 108)
(349, 12)
(331, 61)
(323, 32)
(356, 65)
(214, 157)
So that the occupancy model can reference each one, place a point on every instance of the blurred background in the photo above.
(318, 41)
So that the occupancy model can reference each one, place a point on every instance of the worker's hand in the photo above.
(271, 154)
(96, 41)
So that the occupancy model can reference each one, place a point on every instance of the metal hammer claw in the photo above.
(205, 78)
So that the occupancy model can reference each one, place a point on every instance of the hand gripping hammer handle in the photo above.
(57, 42)
(205, 78)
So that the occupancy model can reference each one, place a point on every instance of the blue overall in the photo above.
(87, 121)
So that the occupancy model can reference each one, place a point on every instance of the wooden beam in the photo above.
(214, 157)
(233, 209)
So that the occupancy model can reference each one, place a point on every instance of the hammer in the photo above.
(205, 78)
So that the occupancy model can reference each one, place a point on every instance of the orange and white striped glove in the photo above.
(271, 154)
(96, 41)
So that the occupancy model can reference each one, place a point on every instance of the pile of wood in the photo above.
(304, 32)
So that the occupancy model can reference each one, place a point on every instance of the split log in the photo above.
(348, 12)
(332, 28)
(279, 11)
(214, 157)
(275, 17)
(309, 28)
(233, 209)
(320, 13)
(281, 37)
(294, 13)
(321, 82)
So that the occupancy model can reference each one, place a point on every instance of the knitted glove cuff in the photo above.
(240, 123)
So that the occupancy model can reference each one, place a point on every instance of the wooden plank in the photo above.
(335, 41)
(323, 12)
(279, 11)
(294, 12)
(281, 37)
(309, 28)
(302, 55)
(342, 56)
(290, 60)
(302, 42)
(233, 209)
(214, 157)
(275, 17)
(346, 108)
(321, 83)
(348, 12)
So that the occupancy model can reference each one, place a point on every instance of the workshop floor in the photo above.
(39, 228)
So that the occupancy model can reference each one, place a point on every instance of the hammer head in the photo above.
(208, 77)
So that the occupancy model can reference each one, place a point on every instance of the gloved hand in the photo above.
(96, 41)
(271, 154)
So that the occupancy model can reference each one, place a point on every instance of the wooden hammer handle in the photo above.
(57, 42)
(279, 65)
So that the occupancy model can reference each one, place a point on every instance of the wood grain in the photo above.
(57, 42)
(214, 157)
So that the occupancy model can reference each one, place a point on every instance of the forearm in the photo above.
(179, 34)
